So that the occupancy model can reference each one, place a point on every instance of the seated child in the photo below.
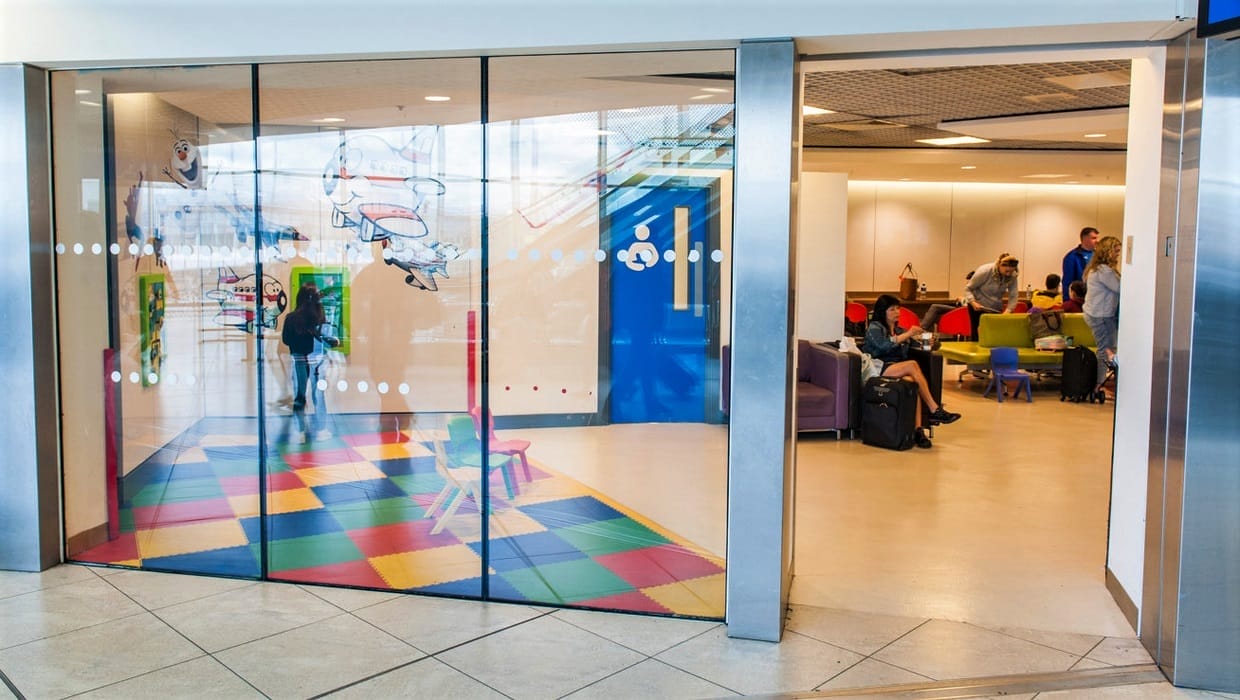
(1048, 298)
(1076, 297)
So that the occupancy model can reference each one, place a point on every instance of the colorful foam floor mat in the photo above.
(352, 510)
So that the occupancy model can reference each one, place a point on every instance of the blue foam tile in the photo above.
(252, 528)
(528, 551)
(233, 452)
(403, 466)
(470, 587)
(354, 491)
(230, 561)
(302, 523)
(570, 511)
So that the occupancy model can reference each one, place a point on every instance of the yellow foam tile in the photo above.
(195, 455)
(184, 539)
(216, 440)
(504, 523)
(340, 473)
(428, 566)
(127, 562)
(244, 506)
(543, 490)
(291, 500)
(400, 450)
(701, 597)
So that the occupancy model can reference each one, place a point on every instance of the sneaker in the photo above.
(323, 434)
(297, 439)
(942, 416)
(920, 440)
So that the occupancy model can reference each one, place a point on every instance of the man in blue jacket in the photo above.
(1075, 261)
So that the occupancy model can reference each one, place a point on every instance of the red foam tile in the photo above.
(321, 458)
(410, 536)
(123, 548)
(634, 601)
(350, 573)
(655, 566)
(387, 437)
(179, 513)
(283, 481)
(239, 485)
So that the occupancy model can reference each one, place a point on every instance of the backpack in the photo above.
(1044, 323)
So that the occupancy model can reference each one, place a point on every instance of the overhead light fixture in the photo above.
(1095, 136)
(88, 103)
(702, 97)
(81, 91)
(953, 140)
(811, 111)
(437, 98)
(715, 90)
(968, 167)
(328, 120)
(1047, 176)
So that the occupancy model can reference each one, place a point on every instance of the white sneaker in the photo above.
(297, 439)
(323, 434)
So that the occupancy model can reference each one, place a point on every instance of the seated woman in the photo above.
(886, 341)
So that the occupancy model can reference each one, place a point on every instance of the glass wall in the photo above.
(317, 319)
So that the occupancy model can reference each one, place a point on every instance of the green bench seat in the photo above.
(1012, 331)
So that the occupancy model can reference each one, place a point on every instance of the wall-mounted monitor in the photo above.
(1215, 17)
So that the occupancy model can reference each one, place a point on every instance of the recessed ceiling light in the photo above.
(1073, 182)
(81, 91)
(811, 111)
(88, 103)
(953, 140)
(1047, 176)
(701, 97)
(968, 167)
(437, 98)
(1095, 136)
(715, 90)
(328, 120)
(905, 179)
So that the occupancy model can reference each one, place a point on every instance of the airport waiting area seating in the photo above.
(1012, 331)
(828, 387)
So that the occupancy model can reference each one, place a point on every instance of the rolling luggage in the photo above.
(889, 413)
(1080, 375)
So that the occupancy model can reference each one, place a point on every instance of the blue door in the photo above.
(661, 304)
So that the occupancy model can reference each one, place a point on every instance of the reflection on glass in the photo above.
(611, 188)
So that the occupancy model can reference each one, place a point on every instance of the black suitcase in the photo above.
(889, 413)
(1080, 375)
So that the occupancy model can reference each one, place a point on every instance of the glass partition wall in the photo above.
(317, 320)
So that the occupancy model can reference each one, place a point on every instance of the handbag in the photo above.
(908, 283)
(1045, 323)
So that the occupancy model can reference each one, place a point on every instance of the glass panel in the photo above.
(371, 192)
(610, 213)
(154, 175)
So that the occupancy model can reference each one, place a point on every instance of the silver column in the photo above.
(761, 446)
(29, 416)
(1191, 593)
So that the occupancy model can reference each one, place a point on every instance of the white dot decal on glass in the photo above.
(556, 255)
(403, 389)
(187, 250)
(60, 248)
(694, 256)
(621, 255)
(148, 249)
(133, 377)
(579, 256)
(152, 378)
(362, 387)
(600, 255)
(116, 377)
(382, 387)
(77, 248)
(133, 249)
(387, 253)
(321, 385)
(114, 249)
(669, 255)
(313, 250)
(534, 255)
(287, 251)
(716, 255)
(512, 253)
(225, 251)
(171, 379)
(96, 249)
(244, 253)
(342, 385)
(191, 380)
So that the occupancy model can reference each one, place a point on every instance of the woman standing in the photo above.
(885, 340)
(307, 335)
(987, 288)
(1101, 305)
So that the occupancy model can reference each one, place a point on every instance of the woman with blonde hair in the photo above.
(988, 288)
(1101, 307)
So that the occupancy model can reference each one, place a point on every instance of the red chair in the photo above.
(507, 448)
(1021, 308)
(956, 322)
(855, 312)
(908, 319)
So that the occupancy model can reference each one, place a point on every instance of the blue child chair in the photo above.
(1003, 369)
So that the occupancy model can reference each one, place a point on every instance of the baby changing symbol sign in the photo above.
(641, 254)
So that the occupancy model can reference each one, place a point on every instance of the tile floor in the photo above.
(77, 631)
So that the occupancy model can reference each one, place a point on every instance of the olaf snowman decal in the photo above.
(187, 169)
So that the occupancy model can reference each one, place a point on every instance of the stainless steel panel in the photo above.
(1208, 613)
(760, 442)
(30, 497)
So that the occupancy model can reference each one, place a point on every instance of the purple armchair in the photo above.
(828, 384)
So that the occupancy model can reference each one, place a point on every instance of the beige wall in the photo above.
(948, 229)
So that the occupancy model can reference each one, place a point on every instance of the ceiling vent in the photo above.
(864, 125)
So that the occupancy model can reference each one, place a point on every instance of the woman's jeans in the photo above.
(307, 371)
(1106, 336)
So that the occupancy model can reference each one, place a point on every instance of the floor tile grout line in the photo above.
(8, 683)
(1041, 644)
(638, 663)
(205, 655)
(78, 629)
(639, 651)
